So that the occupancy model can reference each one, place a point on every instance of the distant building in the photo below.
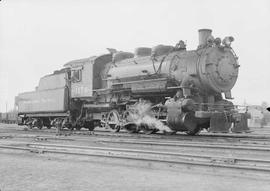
(259, 117)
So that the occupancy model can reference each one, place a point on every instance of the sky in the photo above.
(38, 37)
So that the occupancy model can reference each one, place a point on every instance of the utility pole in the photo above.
(6, 111)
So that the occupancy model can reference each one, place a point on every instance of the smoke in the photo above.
(143, 117)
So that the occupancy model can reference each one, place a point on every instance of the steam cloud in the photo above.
(142, 115)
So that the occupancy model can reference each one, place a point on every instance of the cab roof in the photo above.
(79, 62)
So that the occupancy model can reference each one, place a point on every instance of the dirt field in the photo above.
(32, 172)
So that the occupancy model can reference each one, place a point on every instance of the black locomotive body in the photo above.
(106, 90)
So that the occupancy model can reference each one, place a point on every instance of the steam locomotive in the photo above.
(105, 90)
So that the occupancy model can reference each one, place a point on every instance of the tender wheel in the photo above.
(90, 125)
(113, 120)
(78, 128)
(28, 123)
(39, 123)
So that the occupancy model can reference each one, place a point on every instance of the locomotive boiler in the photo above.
(106, 90)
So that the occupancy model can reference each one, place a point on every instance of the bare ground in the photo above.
(33, 172)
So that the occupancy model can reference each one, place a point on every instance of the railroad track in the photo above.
(225, 149)
(204, 136)
(124, 133)
(241, 154)
(220, 145)
(212, 143)
(241, 165)
(242, 144)
(184, 150)
(195, 147)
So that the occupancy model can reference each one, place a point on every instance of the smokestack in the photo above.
(203, 35)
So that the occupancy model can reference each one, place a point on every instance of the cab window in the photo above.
(76, 75)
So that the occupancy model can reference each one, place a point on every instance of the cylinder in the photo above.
(203, 35)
